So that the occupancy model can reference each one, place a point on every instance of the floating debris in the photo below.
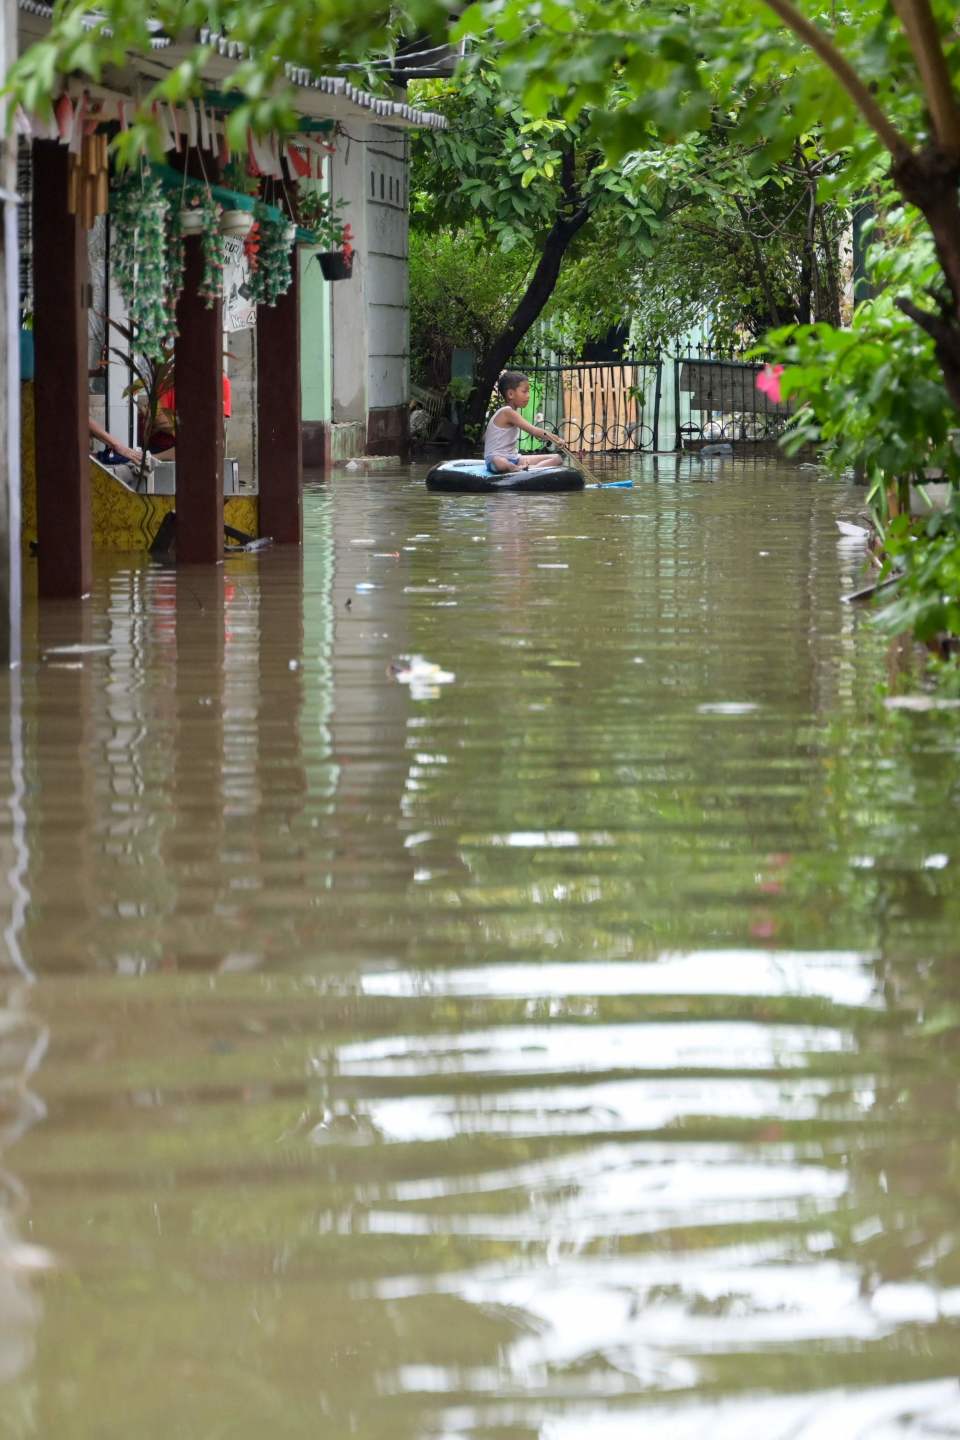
(727, 707)
(920, 702)
(853, 532)
(423, 676)
(78, 650)
(27, 1259)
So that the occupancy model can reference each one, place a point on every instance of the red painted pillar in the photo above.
(198, 380)
(279, 424)
(64, 531)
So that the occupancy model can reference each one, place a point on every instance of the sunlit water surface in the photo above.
(554, 1035)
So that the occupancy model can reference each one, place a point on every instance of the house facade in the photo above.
(318, 375)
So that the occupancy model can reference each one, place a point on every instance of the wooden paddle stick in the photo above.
(565, 450)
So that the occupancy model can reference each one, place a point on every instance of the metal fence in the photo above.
(660, 400)
(595, 405)
(716, 399)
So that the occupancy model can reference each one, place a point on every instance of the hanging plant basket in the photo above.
(140, 211)
(199, 219)
(236, 222)
(335, 265)
(272, 275)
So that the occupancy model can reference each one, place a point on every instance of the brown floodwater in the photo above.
(495, 974)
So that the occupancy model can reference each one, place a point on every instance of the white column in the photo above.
(350, 181)
(387, 288)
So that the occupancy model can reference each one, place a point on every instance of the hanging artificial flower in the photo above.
(346, 242)
(273, 275)
(139, 211)
(175, 266)
(211, 241)
(251, 246)
(202, 203)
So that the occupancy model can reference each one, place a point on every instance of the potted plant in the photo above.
(236, 222)
(239, 221)
(338, 264)
(198, 217)
(199, 213)
(322, 215)
(192, 215)
(154, 376)
(271, 274)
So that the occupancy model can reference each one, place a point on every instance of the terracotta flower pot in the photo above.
(335, 265)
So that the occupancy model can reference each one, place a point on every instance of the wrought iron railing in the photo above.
(716, 398)
(629, 403)
(595, 405)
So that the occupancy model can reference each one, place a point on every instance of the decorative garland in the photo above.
(148, 255)
(273, 274)
(140, 261)
(211, 281)
(175, 267)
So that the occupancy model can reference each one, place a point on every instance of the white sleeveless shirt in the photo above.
(503, 440)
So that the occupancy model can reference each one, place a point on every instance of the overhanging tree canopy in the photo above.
(879, 76)
(537, 182)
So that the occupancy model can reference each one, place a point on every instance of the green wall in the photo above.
(315, 359)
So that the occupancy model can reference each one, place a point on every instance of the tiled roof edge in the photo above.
(378, 105)
(45, 12)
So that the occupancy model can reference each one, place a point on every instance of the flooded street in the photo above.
(492, 975)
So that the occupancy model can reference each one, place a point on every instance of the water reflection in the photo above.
(23, 1042)
(567, 1045)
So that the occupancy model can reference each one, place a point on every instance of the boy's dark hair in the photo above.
(509, 380)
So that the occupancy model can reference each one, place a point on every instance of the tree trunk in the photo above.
(831, 288)
(528, 309)
(763, 274)
(808, 263)
(929, 180)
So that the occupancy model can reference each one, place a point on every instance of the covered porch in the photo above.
(72, 502)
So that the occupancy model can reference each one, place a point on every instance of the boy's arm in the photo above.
(514, 417)
(104, 436)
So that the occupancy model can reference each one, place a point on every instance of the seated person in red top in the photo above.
(162, 439)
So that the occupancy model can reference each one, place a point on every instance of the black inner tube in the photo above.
(448, 479)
